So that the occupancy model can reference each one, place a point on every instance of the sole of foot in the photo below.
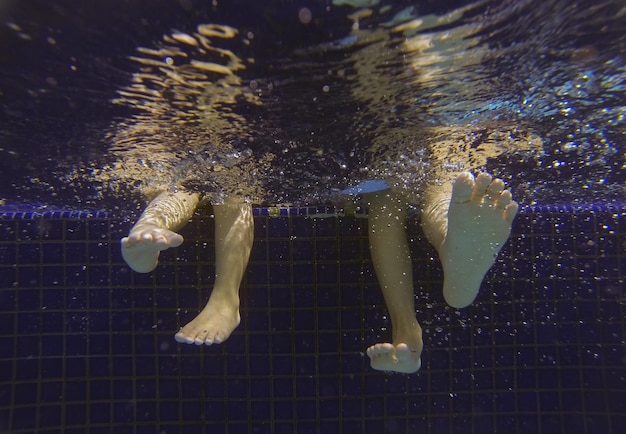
(480, 215)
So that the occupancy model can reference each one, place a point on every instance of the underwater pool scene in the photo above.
(88, 345)
(284, 105)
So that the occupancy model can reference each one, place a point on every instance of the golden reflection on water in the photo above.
(190, 128)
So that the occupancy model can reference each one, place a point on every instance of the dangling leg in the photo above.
(468, 222)
(155, 229)
(234, 234)
(392, 262)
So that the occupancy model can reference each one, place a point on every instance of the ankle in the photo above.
(408, 325)
(224, 297)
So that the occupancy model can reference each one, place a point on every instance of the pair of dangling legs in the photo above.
(155, 231)
(467, 222)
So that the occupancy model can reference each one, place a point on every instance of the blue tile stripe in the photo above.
(57, 214)
(22, 212)
(582, 207)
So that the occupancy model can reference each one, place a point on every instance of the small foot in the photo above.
(404, 354)
(398, 358)
(141, 248)
(479, 223)
(212, 326)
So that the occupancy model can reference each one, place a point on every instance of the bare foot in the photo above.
(402, 357)
(479, 223)
(141, 248)
(213, 325)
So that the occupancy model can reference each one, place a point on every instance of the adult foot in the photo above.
(141, 248)
(403, 356)
(213, 325)
(479, 223)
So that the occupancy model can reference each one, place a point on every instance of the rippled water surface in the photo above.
(289, 102)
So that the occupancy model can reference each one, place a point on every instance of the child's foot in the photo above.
(479, 223)
(141, 248)
(403, 357)
(213, 325)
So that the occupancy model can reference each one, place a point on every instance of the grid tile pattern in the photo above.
(87, 345)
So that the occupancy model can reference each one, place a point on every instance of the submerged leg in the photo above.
(155, 229)
(392, 262)
(234, 234)
(468, 223)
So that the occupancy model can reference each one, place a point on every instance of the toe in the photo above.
(495, 189)
(183, 339)
(374, 350)
(504, 199)
(511, 211)
(147, 237)
(133, 238)
(480, 186)
(203, 335)
(378, 349)
(386, 348)
(462, 187)
(176, 240)
(403, 352)
(160, 241)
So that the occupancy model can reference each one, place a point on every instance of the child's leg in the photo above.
(154, 231)
(392, 262)
(234, 234)
(468, 222)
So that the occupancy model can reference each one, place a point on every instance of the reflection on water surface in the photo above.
(289, 104)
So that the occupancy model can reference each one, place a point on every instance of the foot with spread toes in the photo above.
(477, 224)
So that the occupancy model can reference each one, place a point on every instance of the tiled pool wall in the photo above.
(87, 345)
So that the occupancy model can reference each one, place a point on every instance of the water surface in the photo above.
(290, 103)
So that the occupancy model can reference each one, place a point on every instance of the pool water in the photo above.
(88, 345)
(286, 104)
(251, 99)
